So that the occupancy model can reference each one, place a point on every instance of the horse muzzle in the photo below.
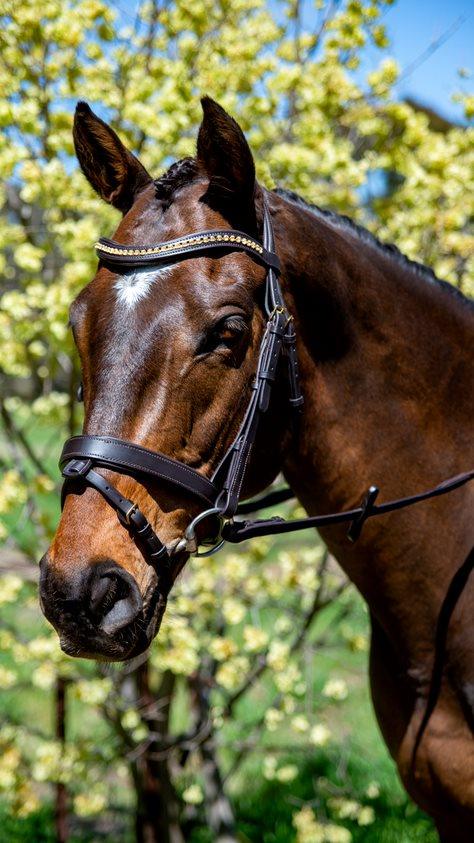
(98, 610)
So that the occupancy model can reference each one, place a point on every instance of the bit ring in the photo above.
(190, 533)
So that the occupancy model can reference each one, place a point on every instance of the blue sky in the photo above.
(412, 26)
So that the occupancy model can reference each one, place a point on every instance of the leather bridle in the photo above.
(219, 495)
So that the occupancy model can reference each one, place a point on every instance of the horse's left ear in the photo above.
(225, 156)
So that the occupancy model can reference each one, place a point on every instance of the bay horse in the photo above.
(385, 353)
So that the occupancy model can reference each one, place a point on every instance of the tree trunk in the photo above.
(60, 804)
(157, 810)
(219, 812)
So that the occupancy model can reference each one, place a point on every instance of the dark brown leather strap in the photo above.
(230, 473)
(78, 472)
(200, 242)
(127, 458)
(239, 531)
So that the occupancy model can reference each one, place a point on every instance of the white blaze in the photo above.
(136, 285)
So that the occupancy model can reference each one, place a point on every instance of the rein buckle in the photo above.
(126, 517)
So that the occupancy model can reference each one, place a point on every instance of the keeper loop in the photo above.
(367, 506)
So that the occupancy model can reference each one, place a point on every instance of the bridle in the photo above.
(220, 494)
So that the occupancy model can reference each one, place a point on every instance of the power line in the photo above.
(432, 48)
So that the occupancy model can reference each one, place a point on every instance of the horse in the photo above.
(385, 355)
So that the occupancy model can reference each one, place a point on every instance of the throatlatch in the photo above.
(220, 494)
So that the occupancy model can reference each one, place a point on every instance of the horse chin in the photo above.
(155, 603)
(153, 617)
(146, 627)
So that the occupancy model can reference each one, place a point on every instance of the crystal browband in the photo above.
(118, 249)
(112, 252)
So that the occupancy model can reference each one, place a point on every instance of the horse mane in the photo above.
(183, 172)
(345, 222)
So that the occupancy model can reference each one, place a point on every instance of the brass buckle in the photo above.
(278, 310)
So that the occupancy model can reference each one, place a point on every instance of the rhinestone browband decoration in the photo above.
(179, 244)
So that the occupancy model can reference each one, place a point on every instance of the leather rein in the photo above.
(219, 495)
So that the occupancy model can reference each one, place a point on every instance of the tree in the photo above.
(235, 631)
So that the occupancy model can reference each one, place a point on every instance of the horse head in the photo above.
(168, 355)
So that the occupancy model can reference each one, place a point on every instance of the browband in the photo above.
(228, 239)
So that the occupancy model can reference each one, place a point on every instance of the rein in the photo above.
(220, 495)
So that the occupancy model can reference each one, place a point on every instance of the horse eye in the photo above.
(231, 330)
(226, 334)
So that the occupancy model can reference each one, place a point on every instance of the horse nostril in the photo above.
(104, 593)
(115, 600)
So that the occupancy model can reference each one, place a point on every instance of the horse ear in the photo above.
(111, 169)
(225, 156)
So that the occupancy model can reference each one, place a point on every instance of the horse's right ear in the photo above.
(111, 169)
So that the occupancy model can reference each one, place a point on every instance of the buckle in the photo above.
(126, 517)
(278, 309)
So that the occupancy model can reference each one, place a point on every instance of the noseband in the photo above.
(219, 496)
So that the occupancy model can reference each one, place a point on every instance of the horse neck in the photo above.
(384, 359)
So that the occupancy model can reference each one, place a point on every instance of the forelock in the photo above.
(178, 175)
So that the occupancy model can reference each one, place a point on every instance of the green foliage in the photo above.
(284, 766)
(266, 812)
(276, 698)
(38, 826)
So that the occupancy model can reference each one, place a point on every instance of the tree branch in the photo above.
(18, 434)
